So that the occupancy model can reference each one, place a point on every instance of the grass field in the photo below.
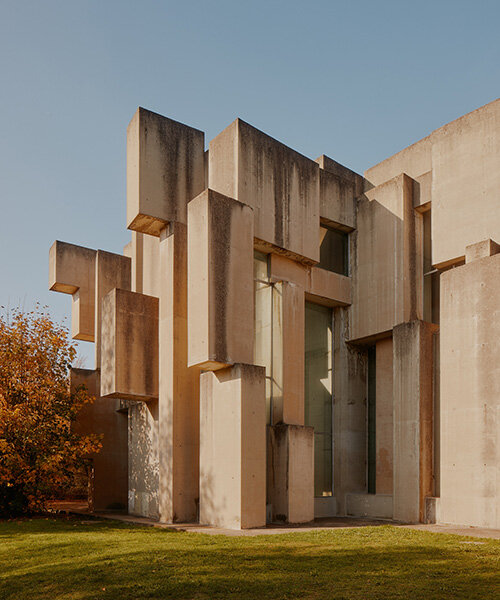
(70, 559)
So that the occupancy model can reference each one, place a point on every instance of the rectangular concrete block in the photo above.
(72, 271)
(290, 468)
(220, 281)
(129, 346)
(281, 185)
(412, 419)
(102, 417)
(470, 394)
(165, 170)
(388, 260)
(481, 249)
(339, 188)
(111, 271)
(233, 447)
(328, 288)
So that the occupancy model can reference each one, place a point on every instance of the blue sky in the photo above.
(357, 80)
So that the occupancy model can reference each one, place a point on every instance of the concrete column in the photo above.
(290, 473)
(233, 447)
(384, 416)
(178, 433)
(412, 419)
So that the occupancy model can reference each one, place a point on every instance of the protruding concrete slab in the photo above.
(290, 473)
(233, 447)
(165, 170)
(481, 250)
(72, 271)
(413, 419)
(339, 188)
(111, 271)
(281, 185)
(110, 480)
(129, 346)
(220, 281)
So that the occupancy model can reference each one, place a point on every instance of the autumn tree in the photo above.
(40, 454)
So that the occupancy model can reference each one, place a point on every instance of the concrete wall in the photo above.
(470, 393)
(281, 185)
(384, 416)
(143, 463)
(165, 169)
(233, 447)
(129, 346)
(110, 464)
(220, 280)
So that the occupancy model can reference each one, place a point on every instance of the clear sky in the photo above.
(356, 80)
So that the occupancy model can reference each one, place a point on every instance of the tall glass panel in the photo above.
(318, 393)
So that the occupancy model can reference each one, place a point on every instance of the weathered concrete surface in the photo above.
(111, 271)
(281, 185)
(145, 255)
(377, 506)
(110, 464)
(481, 250)
(470, 394)
(143, 465)
(165, 170)
(220, 280)
(129, 346)
(179, 386)
(388, 260)
(233, 447)
(72, 271)
(290, 473)
(349, 427)
(384, 419)
(413, 406)
(339, 188)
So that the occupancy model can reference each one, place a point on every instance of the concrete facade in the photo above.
(284, 338)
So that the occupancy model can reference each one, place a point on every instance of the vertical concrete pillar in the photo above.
(233, 447)
(178, 433)
(412, 419)
(290, 473)
(384, 416)
(349, 430)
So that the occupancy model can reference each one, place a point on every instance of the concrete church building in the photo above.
(285, 339)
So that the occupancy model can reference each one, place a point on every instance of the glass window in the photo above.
(334, 250)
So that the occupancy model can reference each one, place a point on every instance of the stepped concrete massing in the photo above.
(285, 339)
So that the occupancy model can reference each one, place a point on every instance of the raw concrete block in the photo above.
(129, 346)
(220, 281)
(165, 170)
(233, 447)
(413, 419)
(281, 185)
(103, 417)
(481, 250)
(375, 506)
(470, 394)
(290, 468)
(72, 271)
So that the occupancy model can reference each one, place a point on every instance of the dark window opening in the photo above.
(334, 250)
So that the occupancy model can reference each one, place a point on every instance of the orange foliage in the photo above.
(40, 455)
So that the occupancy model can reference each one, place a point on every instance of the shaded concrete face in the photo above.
(232, 250)
(129, 346)
(110, 480)
(470, 394)
(233, 447)
(281, 185)
(165, 169)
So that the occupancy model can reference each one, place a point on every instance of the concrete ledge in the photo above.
(377, 506)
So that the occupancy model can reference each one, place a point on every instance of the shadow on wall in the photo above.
(143, 472)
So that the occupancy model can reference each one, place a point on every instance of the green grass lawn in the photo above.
(67, 558)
